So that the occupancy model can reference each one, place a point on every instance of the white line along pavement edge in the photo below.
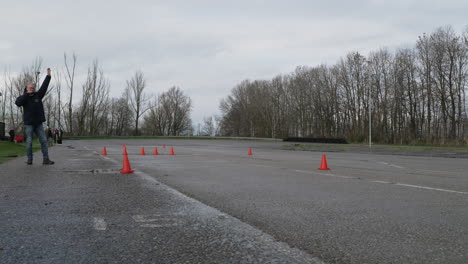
(99, 224)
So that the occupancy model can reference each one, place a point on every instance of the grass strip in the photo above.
(10, 150)
(166, 137)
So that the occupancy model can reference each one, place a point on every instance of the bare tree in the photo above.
(209, 126)
(92, 110)
(138, 99)
(120, 117)
(169, 114)
(4, 96)
(58, 88)
(70, 81)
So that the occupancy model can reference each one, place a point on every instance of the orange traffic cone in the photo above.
(142, 152)
(324, 165)
(164, 145)
(172, 151)
(126, 166)
(104, 151)
(125, 151)
(249, 152)
(155, 152)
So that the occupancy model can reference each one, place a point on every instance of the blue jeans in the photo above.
(40, 133)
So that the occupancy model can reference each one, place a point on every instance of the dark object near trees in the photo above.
(2, 129)
(317, 140)
(12, 135)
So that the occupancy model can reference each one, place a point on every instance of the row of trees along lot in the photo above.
(96, 113)
(415, 95)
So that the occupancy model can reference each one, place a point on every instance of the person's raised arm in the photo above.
(43, 90)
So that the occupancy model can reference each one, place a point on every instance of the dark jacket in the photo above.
(33, 110)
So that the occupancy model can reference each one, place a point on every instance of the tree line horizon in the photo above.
(413, 95)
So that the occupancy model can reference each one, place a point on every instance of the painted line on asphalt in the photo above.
(392, 165)
(95, 152)
(327, 174)
(396, 166)
(161, 221)
(385, 182)
(159, 226)
(146, 218)
(429, 188)
(99, 224)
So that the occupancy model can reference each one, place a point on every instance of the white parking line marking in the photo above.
(158, 225)
(396, 166)
(328, 174)
(385, 182)
(146, 218)
(429, 188)
(156, 221)
(392, 165)
(99, 223)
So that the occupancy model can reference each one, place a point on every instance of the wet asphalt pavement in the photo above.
(212, 203)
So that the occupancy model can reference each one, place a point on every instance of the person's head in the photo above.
(31, 88)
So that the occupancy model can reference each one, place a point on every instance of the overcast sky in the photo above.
(206, 47)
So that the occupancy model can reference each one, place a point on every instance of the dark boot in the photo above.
(29, 162)
(47, 162)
